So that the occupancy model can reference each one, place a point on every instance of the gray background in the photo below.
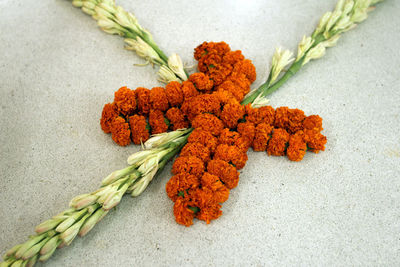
(340, 207)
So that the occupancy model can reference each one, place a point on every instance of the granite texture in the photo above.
(340, 207)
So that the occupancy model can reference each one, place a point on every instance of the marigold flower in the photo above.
(240, 80)
(243, 144)
(201, 81)
(232, 88)
(233, 57)
(296, 118)
(139, 129)
(224, 97)
(125, 100)
(228, 137)
(225, 171)
(219, 72)
(209, 123)
(277, 143)
(110, 112)
(189, 165)
(315, 140)
(297, 147)
(313, 122)
(206, 103)
(247, 68)
(196, 150)
(209, 62)
(231, 113)
(247, 131)
(180, 125)
(120, 132)
(179, 184)
(205, 138)
(157, 122)
(175, 115)
(211, 182)
(183, 215)
(258, 115)
(143, 99)
(281, 117)
(201, 50)
(262, 135)
(158, 99)
(210, 212)
(231, 154)
(188, 90)
(174, 93)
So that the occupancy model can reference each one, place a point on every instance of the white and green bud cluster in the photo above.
(113, 19)
(280, 60)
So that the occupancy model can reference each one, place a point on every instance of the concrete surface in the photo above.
(340, 207)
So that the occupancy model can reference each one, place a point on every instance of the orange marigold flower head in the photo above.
(243, 144)
(158, 99)
(125, 100)
(210, 212)
(196, 150)
(188, 90)
(264, 114)
(183, 214)
(157, 122)
(225, 171)
(209, 209)
(297, 147)
(246, 67)
(277, 143)
(231, 114)
(174, 93)
(263, 133)
(120, 132)
(201, 81)
(205, 138)
(143, 99)
(175, 115)
(232, 155)
(232, 88)
(224, 97)
(110, 112)
(209, 123)
(222, 48)
(233, 57)
(313, 122)
(247, 130)
(201, 50)
(179, 184)
(189, 165)
(240, 80)
(210, 61)
(205, 103)
(228, 137)
(219, 73)
(219, 191)
(180, 125)
(139, 129)
(315, 140)
(281, 117)
(296, 118)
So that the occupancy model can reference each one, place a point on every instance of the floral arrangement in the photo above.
(225, 124)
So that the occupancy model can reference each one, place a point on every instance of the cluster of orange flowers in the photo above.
(224, 130)
(208, 165)
(135, 114)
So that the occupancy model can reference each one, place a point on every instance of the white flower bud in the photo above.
(331, 41)
(142, 184)
(166, 75)
(316, 52)
(163, 138)
(260, 101)
(176, 65)
(332, 20)
(303, 47)
(279, 61)
(142, 49)
(77, 3)
(322, 23)
(348, 6)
